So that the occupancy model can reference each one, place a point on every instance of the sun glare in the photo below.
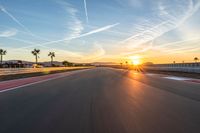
(135, 60)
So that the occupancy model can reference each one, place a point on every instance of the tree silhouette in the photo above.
(52, 55)
(2, 53)
(196, 59)
(66, 63)
(35, 52)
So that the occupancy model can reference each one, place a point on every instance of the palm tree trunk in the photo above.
(1, 59)
(51, 61)
(36, 59)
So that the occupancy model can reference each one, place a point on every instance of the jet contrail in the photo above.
(86, 11)
(82, 35)
(18, 22)
(139, 34)
(85, 34)
(13, 18)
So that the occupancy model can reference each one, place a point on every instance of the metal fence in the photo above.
(179, 67)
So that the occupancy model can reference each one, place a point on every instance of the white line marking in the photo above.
(177, 78)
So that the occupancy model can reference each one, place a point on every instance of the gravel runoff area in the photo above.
(34, 74)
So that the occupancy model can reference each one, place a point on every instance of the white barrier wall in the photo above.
(10, 71)
(179, 67)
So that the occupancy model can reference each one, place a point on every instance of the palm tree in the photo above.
(35, 52)
(52, 55)
(196, 59)
(2, 53)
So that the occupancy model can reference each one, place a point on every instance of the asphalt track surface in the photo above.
(102, 100)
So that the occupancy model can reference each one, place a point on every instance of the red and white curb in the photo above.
(18, 83)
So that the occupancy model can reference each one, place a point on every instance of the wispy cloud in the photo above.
(95, 53)
(86, 10)
(185, 46)
(177, 42)
(178, 17)
(8, 33)
(74, 23)
(177, 47)
(131, 3)
(169, 19)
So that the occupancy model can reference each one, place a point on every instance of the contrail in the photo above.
(85, 34)
(82, 35)
(18, 22)
(86, 11)
(13, 18)
(155, 27)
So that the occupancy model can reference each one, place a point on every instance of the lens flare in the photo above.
(135, 60)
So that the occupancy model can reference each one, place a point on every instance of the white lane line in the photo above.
(177, 78)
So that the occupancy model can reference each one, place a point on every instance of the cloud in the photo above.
(178, 42)
(131, 3)
(8, 33)
(75, 24)
(168, 18)
(141, 49)
(178, 46)
(86, 10)
(180, 14)
(95, 53)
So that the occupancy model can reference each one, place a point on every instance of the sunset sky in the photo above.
(158, 31)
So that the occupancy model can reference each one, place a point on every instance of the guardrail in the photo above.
(11, 71)
(178, 67)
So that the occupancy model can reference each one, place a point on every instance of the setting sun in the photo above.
(135, 60)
